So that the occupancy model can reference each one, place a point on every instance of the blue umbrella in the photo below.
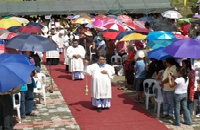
(158, 54)
(159, 43)
(184, 48)
(146, 19)
(122, 34)
(35, 24)
(160, 36)
(15, 70)
(13, 28)
(28, 42)
(160, 39)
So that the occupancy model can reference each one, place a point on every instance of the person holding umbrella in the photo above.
(18, 69)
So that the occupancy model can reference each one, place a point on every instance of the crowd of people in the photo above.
(176, 77)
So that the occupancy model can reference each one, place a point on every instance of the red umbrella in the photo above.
(132, 26)
(142, 30)
(8, 35)
(114, 25)
(110, 35)
(29, 29)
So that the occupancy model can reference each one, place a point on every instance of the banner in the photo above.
(47, 17)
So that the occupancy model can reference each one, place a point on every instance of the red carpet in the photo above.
(124, 114)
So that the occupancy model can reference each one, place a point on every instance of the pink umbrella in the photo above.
(125, 18)
(114, 25)
(8, 35)
(99, 23)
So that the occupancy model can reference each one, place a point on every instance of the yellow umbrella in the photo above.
(133, 36)
(21, 20)
(6, 23)
(82, 21)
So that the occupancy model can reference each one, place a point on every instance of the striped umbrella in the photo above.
(8, 35)
(114, 25)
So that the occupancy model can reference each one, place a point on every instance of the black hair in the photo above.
(188, 64)
(172, 61)
(75, 40)
(101, 56)
(182, 71)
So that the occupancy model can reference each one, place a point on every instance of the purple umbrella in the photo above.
(196, 15)
(184, 48)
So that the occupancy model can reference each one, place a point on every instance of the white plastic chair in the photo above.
(124, 56)
(115, 59)
(146, 85)
(91, 53)
(158, 98)
(16, 105)
(40, 83)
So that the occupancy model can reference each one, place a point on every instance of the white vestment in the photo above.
(55, 53)
(66, 45)
(100, 83)
(76, 64)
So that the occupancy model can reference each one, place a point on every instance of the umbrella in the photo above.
(122, 34)
(2, 30)
(82, 21)
(162, 25)
(35, 24)
(21, 20)
(160, 36)
(8, 35)
(125, 18)
(115, 25)
(132, 26)
(113, 16)
(196, 15)
(180, 36)
(139, 23)
(29, 29)
(158, 54)
(15, 70)
(146, 19)
(28, 42)
(69, 17)
(110, 35)
(142, 30)
(133, 36)
(171, 14)
(184, 48)
(6, 23)
(13, 28)
(99, 23)
(160, 39)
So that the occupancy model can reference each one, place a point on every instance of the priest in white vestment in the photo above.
(76, 53)
(66, 45)
(101, 83)
(52, 57)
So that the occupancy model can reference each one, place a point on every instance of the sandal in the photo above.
(31, 114)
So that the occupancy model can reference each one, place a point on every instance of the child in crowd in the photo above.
(180, 95)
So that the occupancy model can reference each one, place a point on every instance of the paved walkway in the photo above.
(57, 116)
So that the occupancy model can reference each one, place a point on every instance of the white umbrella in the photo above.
(171, 14)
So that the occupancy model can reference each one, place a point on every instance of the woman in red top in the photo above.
(129, 67)
(191, 75)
